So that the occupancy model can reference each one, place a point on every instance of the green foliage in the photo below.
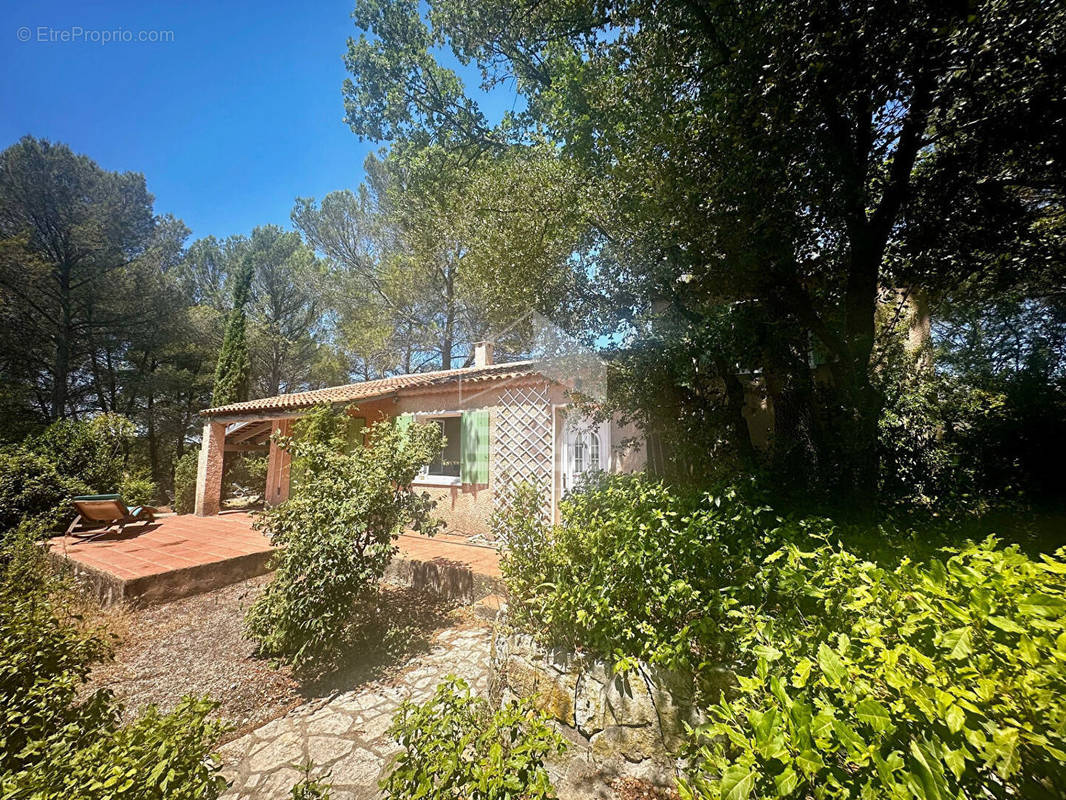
(138, 490)
(245, 473)
(68, 458)
(457, 748)
(770, 164)
(310, 787)
(638, 570)
(94, 452)
(233, 370)
(185, 482)
(937, 681)
(57, 741)
(324, 425)
(518, 525)
(32, 490)
(335, 535)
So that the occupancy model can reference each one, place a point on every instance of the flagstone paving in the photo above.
(345, 735)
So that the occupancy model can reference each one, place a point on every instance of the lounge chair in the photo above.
(107, 510)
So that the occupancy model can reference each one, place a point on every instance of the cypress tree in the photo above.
(234, 364)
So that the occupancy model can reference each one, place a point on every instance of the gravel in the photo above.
(196, 645)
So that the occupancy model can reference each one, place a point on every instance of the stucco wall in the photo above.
(468, 509)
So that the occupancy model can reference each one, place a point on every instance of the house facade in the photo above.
(503, 424)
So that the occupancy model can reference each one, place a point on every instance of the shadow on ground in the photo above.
(401, 626)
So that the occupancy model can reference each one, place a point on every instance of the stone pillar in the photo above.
(209, 470)
(277, 482)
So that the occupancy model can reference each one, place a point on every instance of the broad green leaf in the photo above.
(737, 783)
(873, 714)
(957, 641)
(786, 782)
(810, 762)
(1006, 624)
(831, 665)
(767, 652)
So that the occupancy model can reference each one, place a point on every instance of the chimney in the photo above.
(483, 354)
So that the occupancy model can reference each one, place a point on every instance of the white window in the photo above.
(586, 446)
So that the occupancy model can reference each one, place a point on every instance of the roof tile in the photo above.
(366, 390)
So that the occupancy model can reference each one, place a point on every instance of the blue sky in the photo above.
(229, 122)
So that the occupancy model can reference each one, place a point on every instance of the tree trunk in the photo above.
(736, 399)
(61, 365)
(449, 320)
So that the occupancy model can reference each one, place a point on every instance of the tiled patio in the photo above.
(172, 557)
(183, 555)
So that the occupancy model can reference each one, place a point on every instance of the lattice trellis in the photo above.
(523, 444)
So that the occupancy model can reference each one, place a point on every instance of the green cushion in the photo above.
(99, 497)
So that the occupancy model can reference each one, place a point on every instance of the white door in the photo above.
(586, 451)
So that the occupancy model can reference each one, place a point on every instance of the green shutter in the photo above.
(474, 448)
(355, 433)
(403, 422)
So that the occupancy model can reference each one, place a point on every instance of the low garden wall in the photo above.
(630, 725)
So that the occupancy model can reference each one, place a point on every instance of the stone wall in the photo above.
(617, 726)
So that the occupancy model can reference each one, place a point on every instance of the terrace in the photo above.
(177, 556)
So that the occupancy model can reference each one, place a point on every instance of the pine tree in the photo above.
(234, 364)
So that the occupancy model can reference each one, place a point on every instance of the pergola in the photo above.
(248, 435)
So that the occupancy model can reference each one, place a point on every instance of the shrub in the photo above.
(336, 535)
(55, 741)
(944, 680)
(137, 489)
(185, 482)
(639, 571)
(31, 489)
(455, 746)
(94, 452)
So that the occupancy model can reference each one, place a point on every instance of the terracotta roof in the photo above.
(368, 390)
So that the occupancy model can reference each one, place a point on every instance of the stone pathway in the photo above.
(346, 734)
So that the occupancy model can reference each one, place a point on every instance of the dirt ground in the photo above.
(196, 645)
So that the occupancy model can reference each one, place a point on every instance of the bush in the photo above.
(94, 452)
(31, 489)
(941, 678)
(55, 741)
(455, 746)
(185, 482)
(944, 680)
(336, 537)
(639, 571)
(137, 489)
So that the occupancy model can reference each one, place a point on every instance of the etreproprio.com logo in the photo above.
(46, 34)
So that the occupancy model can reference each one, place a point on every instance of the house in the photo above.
(504, 424)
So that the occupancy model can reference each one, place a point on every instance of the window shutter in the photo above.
(403, 422)
(474, 468)
(355, 433)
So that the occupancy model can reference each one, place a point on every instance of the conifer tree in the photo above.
(234, 364)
